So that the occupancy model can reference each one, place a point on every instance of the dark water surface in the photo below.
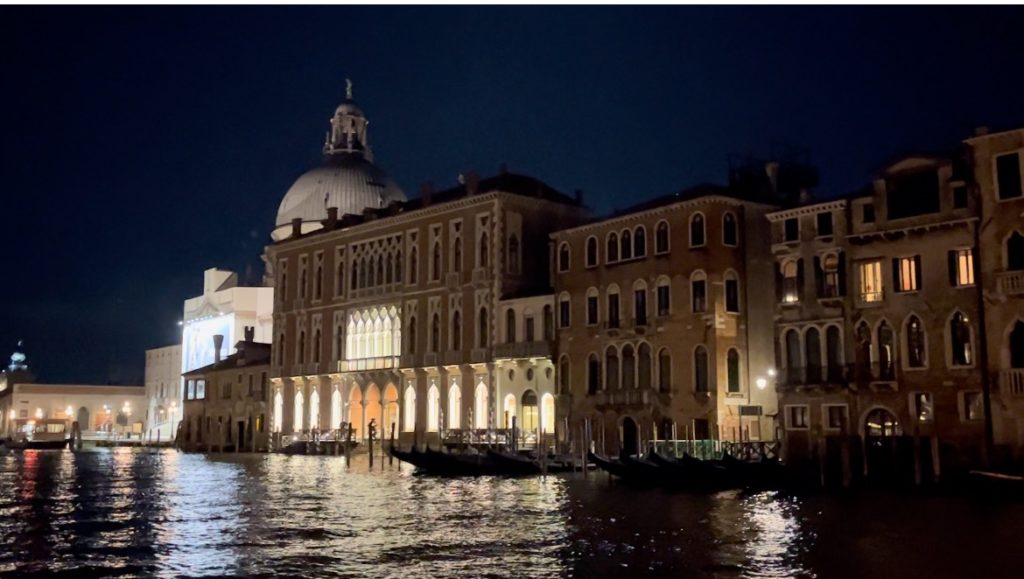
(139, 513)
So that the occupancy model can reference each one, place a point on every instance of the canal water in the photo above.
(162, 513)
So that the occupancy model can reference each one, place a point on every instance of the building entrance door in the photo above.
(630, 436)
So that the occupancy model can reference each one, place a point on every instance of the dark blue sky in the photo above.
(141, 146)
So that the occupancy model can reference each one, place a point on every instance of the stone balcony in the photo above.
(1011, 382)
(627, 397)
(363, 364)
(1010, 283)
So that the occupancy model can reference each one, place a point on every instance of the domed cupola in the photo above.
(346, 178)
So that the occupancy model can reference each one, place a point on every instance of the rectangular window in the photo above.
(824, 224)
(960, 197)
(591, 310)
(640, 306)
(907, 273)
(613, 310)
(961, 267)
(698, 289)
(200, 389)
(924, 407)
(251, 383)
(870, 281)
(260, 421)
(225, 391)
(563, 314)
(664, 300)
(732, 296)
(263, 387)
(1008, 176)
(796, 417)
(868, 213)
(836, 417)
(973, 409)
(791, 229)
(190, 390)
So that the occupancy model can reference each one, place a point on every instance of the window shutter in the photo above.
(897, 286)
(778, 282)
(819, 277)
(842, 273)
(800, 278)
(951, 261)
(917, 272)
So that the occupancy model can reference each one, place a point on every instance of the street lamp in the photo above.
(771, 372)
(761, 383)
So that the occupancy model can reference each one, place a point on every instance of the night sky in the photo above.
(142, 146)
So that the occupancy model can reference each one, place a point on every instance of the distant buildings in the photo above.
(163, 392)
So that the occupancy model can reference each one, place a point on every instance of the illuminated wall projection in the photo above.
(197, 343)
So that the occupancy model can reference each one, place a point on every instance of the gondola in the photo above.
(455, 464)
(633, 471)
(514, 463)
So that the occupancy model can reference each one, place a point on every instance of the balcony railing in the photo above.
(361, 364)
(813, 376)
(1011, 283)
(536, 349)
(623, 397)
(1011, 382)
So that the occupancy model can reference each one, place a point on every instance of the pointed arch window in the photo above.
(612, 249)
(593, 374)
(661, 238)
(639, 242)
(481, 327)
(697, 233)
(960, 340)
(436, 262)
(733, 370)
(626, 245)
(457, 254)
(413, 265)
(411, 341)
(664, 370)
(340, 282)
(700, 369)
(302, 347)
(732, 292)
(483, 251)
(399, 266)
(628, 367)
(591, 252)
(563, 257)
(611, 368)
(456, 331)
(730, 235)
(435, 333)
(886, 351)
(916, 352)
(698, 292)
(316, 347)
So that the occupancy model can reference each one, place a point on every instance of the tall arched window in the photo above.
(481, 328)
(454, 407)
(335, 409)
(435, 272)
(732, 363)
(433, 408)
(483, 251)
(730, 236)
(732, 292)
(664, 370)
(1015, 252)
(456, 330)
(700, 369)
(661, 237)
(510, 326)
(564, 375)
(563, 257)
(412, 335)
(611, 368)
(812, 349)
(302, 347)
(612, 250)
(435, 333)
(626, 244)
(794, 363)
(513, 254)
(278, 411)
(628, 367)
(917, 353)
(593, 374)
(399, 267)
(834, 354)
(960, 340)
(886, 351)
(639, 241)
(316, 346)
(698, 292)
(314, 409)
(389, 269)
(591, 251)
(413, 261)
(409, 410)
(299, 411)
(457, 254)
(697, 237)
(355, 275)
(481, 407)
(643, 366)
(863, 353)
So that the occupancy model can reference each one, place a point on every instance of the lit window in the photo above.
(973, 406)
(961, 267)
(960, 340)
(791, 282)
(924, 407)
(908, 273)
(797, 417)
(871, 281)
(830, 280)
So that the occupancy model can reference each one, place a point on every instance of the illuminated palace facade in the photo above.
(426, 317)
(896, 305)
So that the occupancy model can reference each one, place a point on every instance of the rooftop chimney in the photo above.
(426, 192)
(980, 131)
(296, 227)
(218, 341)
(332, 217)
(250, 333)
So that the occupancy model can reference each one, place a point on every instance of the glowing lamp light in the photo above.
(761, 383)
(68, 411)
(39, 413)
(13, 414)
(771, 372)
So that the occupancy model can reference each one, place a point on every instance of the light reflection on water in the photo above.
(169, 514)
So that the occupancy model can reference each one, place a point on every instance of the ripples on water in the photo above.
(164, 513)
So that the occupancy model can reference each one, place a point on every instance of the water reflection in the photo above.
(170, 514)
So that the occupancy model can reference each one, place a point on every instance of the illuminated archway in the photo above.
(509, 410)
(530, 418)
(454, 407)
(433, 408)
(314, 409)
(299, 408)
(355, 411)
(547, 413)
(409, 410)
(480, 407)
(335, 409)
(278, 411)
(372, 410)
(390, 411)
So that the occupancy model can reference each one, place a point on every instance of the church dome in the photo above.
(346, 179)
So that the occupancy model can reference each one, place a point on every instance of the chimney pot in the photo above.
(332, 216)
(218, 341)
(296, 227)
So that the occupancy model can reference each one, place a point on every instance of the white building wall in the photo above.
(163, 391)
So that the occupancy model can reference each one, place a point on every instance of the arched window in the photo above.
(700, 369)
(593, 374)
(564, 312)
(314, 409)
(480, 407)
(433, 408)
(732, 292)
(510, 326)
(698, 292)
(639, 242)
(335, 409)
(481, 327)
(1015, 252)
(513, 254)
(732, 363)
(628, 367)
(863, 352)
(640, 302)
(435, 333)
(412, 335)
(483, 251)
(318, 283)
(316, 347)
(456, 330)
(591, 251)
(380, 270)
(794, 363)
(355, 276)
(613, 313)
(697, 236)
(730, 237)
(791, 281)
(612, 248)
(399, 266)
(278, 411)
(834, 354)
(886, 351)
(413, 261)
(547, 414)
(593, 307)
(435, 272)
(611, 368)
(302, 347)
(299, 411)
(457, 254)
(409, 410)
(626, 244)
(389, 269)
(664, 370)
(1016, 346)
(563, 257)
(960, 340)
(812, 355)
(663, 296)
(643, 366)
(454, 407)
(661, 237)
(917, 352)
(564, 383)
(364, 274)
